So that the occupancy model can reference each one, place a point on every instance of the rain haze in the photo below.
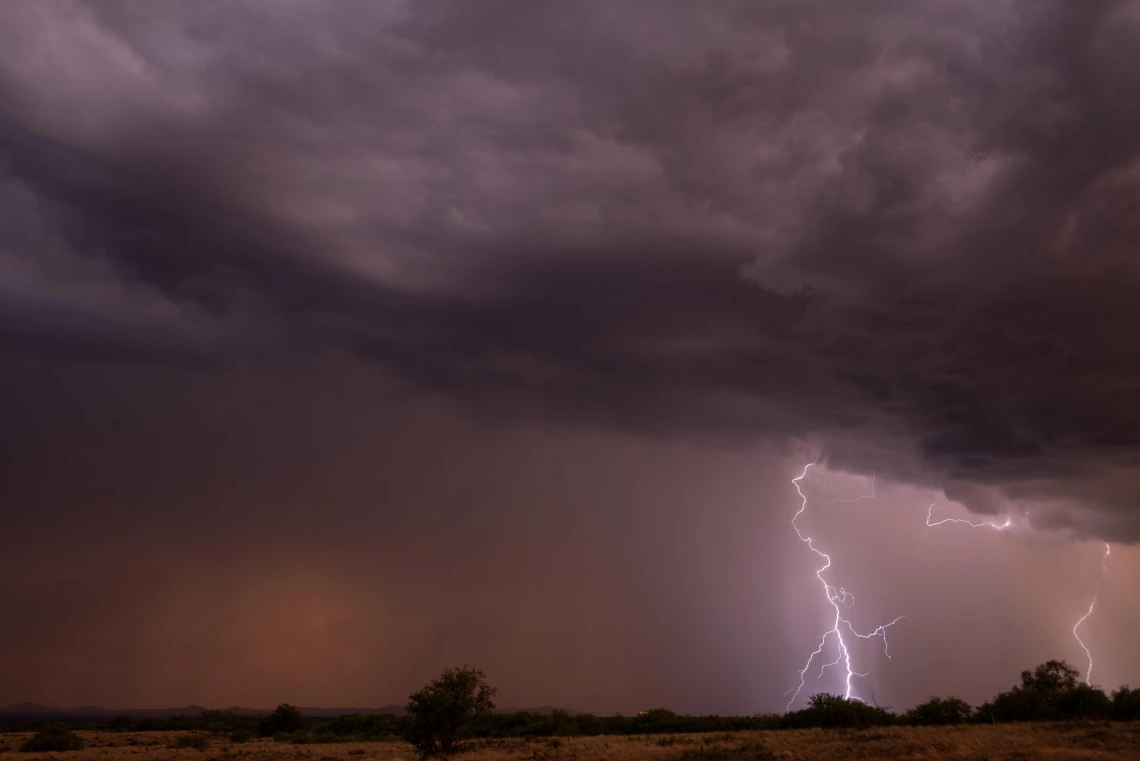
(341, 343)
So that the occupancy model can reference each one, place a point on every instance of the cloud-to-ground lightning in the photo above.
(1096, 594)
(838, 598)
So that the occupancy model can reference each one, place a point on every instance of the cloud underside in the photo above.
(902, 233)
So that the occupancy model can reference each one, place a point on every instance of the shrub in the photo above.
(940, 711)
(241, 736)
(1050, 679)
(55, 737)
(1048, 693)
(825, 710)
(285, 719)
(438, 712)
(121, 723)
(224, 722)
(197, 742)
(1084, 702)
(1126, 704)
(358, 727)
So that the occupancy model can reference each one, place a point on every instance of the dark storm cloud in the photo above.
(902, 232)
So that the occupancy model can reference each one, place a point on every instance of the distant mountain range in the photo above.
(540, 710)
(34, 711)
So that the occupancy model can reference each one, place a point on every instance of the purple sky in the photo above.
(344, 342)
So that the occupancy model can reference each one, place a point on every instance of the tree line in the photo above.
(459, 706)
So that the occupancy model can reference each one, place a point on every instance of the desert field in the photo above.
(968, 743)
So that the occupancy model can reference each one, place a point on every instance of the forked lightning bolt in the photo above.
(1096, 594)
(837, 597)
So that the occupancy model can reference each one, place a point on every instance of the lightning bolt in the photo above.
(983, 524)
(839, 599)
(1096, 594)
(857, 499)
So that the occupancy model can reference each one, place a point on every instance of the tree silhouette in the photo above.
(437, 713)
(1050, 679)
(285, 718)
(1050, 692)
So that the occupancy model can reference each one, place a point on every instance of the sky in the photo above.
(344, 342)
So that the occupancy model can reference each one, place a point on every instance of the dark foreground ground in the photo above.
(969, 742)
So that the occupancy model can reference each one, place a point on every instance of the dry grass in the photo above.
(1052, 742)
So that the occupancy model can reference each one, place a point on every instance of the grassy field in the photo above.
(972, 743)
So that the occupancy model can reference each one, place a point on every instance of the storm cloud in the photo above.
(897, 236)
(902, 232)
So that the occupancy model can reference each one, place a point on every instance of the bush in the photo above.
(826, 710)
(121, 723)
(940, 711)
(52, 738)
(285, 719)
(224, 722)
(1048, 693)
(438, 712)
(354, 726)
(1084, 702)
(1126, 704)
(1050, 679)
(197, 742)
(241, 736)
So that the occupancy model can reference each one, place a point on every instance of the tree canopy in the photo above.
(438, 712)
